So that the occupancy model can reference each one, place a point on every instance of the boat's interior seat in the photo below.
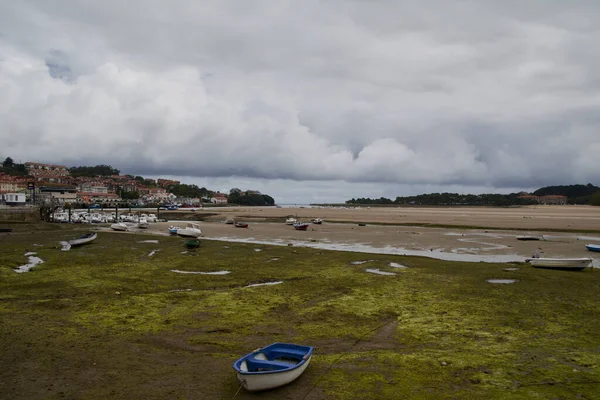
(255, 365)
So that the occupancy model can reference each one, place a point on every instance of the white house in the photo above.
(14, 199)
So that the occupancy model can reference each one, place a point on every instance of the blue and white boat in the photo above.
(593, 247)
(275, 365)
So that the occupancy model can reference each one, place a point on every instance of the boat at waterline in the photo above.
(84, 239)
(191, 230)
(275, 365)
(119, 226)
(530, 237)
(301, 226)
(568, 264)
(317, 221)
(240, 225)
(593, 247)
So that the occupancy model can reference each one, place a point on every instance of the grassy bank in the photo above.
(110, 320)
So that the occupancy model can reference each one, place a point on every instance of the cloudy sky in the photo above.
(308, 100)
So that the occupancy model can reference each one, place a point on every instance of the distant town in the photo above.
(102, 185)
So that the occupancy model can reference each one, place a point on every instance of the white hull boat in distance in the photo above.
(290, 221)
(87, 238)
(119, 226)
(192, 230)
(567, 264)
(275, 365)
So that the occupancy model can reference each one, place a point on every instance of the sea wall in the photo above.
(19, 214)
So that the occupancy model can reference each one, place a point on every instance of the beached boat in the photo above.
(300, 226)
(192, 243)
(240, 225)
(173, 229)
(275, 365)
(291, 221)
(84, 239)
(317, 221)
(191, 230)
(119, 226)
(571, 264)
(530, 237)
(142, 223)
(593, 247)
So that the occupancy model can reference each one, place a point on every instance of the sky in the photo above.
(308, 100)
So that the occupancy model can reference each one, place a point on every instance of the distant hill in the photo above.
(576, 194)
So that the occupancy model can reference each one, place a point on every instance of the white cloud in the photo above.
(384, 93)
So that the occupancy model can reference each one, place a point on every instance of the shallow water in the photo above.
(364, 248)
(148, 241)
(153, 252)
(264, 284)
(379, 272)
(201, 273)
(396, 265)
(31, 253)
(360, 262)
(33, 261)
(505, 281)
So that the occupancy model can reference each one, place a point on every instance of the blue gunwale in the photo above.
(272, 351)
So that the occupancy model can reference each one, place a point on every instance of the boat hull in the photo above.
(83, 240)
(119, 227)
(188, 233)
(300, 227)
(273, 366)
(593, 247)
(569, 264)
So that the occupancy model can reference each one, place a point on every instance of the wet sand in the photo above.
(445, 243)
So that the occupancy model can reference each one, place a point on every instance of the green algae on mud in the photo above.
(108, 320)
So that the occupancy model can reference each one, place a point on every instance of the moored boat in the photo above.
(191, 230)
(275, 365)
(570, 264)
(119, 226)
(317, 221)
(290, 221)
(192, 243)
(593, 247)
(530, 237)
(241, 225)
(84, 239)
(300, 226)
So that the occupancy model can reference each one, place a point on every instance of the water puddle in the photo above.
(379, 272)
(490, 246)
(510, 269)
(31, 253)
(264, 284)
(396, 265)
(273, 259)
(201, 273)
(184, 252)
(33, 261)
(148, 241)
(257, 250)
(153, 252)
(504, 281)
(360, 262)
(391, 250)
(38, 245)
(66, 246)
(180, 290)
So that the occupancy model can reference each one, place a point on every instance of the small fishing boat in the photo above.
(275, 365)
(593, 247)
(192, 230)
(142, 223)
(290, 221)
(317, 221)
(568, 264)
(192, 243)
(530, 237)
(119, 226)
(84, 239)
(240, 225)
(300, 226)
(173, 229)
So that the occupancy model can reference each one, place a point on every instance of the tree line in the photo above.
(576, 194)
